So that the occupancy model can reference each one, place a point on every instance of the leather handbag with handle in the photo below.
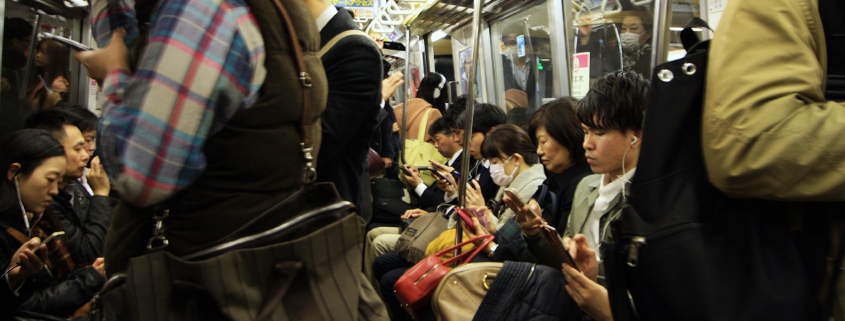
(415, 288)
(294, 261)
(459, 295)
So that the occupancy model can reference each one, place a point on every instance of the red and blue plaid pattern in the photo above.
(204, 61)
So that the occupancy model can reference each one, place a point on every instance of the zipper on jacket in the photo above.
(633, 250)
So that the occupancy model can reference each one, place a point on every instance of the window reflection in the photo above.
(17, 33)
(48, 83)
(635, 36)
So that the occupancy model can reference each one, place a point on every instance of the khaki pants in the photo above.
(380, 240)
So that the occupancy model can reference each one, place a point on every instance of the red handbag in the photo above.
(415, 288)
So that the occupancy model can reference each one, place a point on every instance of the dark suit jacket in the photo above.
(433, 195)
(354, 72)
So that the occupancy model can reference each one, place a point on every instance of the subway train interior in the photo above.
(246, 166)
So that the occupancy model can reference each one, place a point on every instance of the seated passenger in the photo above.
(611, 116)
(84, 221)
(556, 131)
(33, 164)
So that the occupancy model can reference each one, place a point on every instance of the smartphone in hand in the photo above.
(65, 41)
(512, 194)
(466, 217)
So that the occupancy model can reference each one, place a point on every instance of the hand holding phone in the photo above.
(65, 41)
(466, 217)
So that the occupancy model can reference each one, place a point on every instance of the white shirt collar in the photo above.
(324, 17)
(616, 186)
(454, 157)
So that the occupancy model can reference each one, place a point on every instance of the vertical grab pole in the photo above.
(32, 42)
(470, 113)
(404, 129)
(535, 68)
(662, 10)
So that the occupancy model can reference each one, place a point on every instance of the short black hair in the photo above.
(457, 107)
(485, 118)
(559, 120)
(53, 121)
(443, 125)
(617, 101)
(16, 28)
(29, 148)
(87, 119)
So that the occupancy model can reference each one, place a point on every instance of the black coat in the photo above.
(524, 291)
(42, 292)
(85, 222)
(563, 185)
(354, 72)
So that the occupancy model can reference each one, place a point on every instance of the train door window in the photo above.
(524, 69)
(36, 72)
(610, 36)
(682, 11)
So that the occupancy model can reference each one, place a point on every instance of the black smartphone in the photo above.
(405, 170)
(65, 41)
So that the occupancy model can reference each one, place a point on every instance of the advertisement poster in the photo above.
(580, 74)
(465, 60)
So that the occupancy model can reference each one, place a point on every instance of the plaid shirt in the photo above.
(204, 62)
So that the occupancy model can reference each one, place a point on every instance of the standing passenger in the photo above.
(354, 72)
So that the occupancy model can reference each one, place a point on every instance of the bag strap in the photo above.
(17, 235)
(468, 256)
(688, 36)
(339, 37)
(424, 124)
(305, 81)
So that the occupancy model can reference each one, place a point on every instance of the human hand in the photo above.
(446, 184)
(98, 179)
(389, 85)
(529, 222)
(584, 256)
(52, 99)
(474, 196)
(414, 178)
(478, 231)
(100, 266)
(441, 167)
(590, 296)
(25, 262)
(412, 213)
(102, 61)
(387, 162)
(483, 212)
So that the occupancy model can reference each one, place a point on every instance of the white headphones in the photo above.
(439, 87)
(635, 140)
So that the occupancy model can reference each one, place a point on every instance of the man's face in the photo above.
(90, 141)
(77, 156)
(445, 144)
(475, 145)
(605, 149)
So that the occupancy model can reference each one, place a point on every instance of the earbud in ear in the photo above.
(635, 140)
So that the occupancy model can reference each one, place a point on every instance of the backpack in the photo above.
(682, 250)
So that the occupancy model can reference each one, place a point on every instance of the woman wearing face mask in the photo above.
(636, 42)
(33, 162)
(513, 164)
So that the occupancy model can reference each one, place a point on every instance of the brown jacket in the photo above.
(416, 111)
(768, 131)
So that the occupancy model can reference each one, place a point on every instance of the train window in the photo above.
(610, 38)
(524, 70)
(682, 11)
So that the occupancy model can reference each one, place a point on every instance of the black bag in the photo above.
(683, 249)
(388, 205)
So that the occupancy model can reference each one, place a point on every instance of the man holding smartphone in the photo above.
(611, 115)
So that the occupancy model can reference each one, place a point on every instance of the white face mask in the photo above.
(497, 173)
(630, 40)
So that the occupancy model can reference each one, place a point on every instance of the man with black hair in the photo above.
(611, 115)
(448, 142)
(16, 37)
(85, 220)
(486, 117)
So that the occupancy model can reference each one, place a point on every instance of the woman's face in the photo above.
(553, 155)
(38, 188)
(634, 24)
(42, 58)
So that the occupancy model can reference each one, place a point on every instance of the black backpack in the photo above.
(683, 250)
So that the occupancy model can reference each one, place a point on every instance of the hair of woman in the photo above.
(428, 85)
(29, 148)
(560, 121)
(506, 140)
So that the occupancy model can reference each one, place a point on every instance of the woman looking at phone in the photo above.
(33, 162)
(49, 82)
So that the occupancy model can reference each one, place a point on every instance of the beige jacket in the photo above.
(767, 130)
(416, 111)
